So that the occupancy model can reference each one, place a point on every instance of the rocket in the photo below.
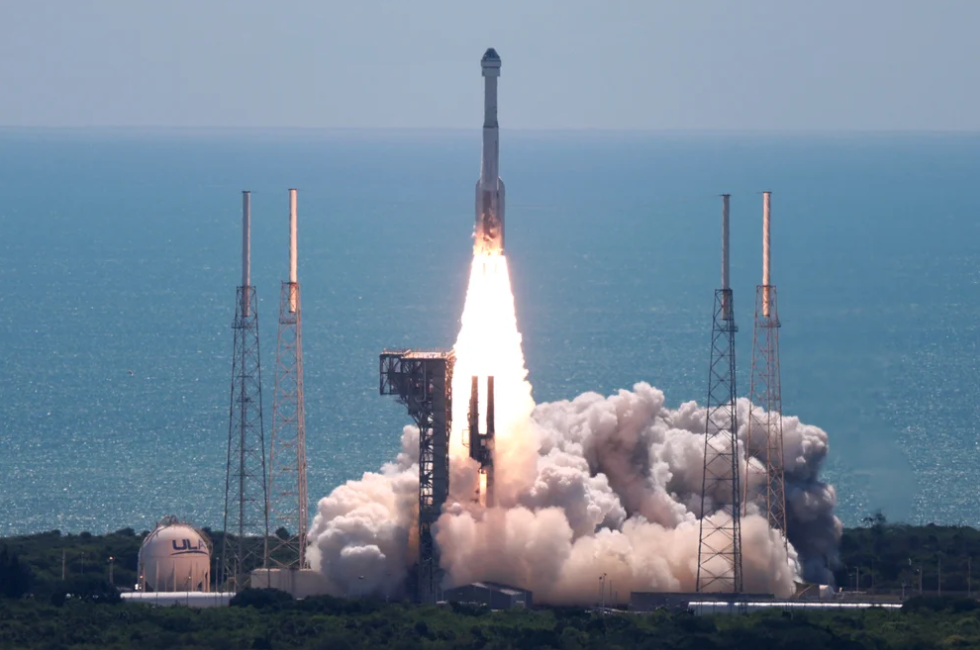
(489, 228)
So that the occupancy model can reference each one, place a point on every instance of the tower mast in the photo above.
(765, 425)
(287, 460)
(720, 539)
(246, 520)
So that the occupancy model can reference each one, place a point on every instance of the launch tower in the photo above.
(720, 542)
(287, 461)
(423, 381)
(765, 426)
(246, 496)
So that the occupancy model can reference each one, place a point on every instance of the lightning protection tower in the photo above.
(245, 544)
(720, 541)
(287, 461)
(765, 426)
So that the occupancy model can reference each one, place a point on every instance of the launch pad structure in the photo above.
(246, 496)
(720, 538)
(422, 381)
(766, 408)
(288, 503)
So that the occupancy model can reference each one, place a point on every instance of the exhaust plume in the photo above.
(598, 484)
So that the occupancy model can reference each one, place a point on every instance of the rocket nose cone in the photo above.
(490, 57)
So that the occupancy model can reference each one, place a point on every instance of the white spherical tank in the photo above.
(175, 557)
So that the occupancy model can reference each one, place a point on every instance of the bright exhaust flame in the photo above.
(489, 344)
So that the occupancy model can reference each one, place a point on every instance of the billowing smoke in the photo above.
(596, 485)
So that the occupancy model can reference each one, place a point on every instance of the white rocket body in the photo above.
(489, 228)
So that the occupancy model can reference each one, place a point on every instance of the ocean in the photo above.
(120, 253)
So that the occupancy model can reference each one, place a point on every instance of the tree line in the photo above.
(55, 592)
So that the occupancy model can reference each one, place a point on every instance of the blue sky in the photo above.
(615, 64)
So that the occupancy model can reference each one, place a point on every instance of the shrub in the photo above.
(261, 598)
(15, 576)
(957, 604)
(92, 589)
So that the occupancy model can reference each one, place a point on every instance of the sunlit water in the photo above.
(119, 257)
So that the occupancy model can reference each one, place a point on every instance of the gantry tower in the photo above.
(288, 502)
(246, 521)
(720, 540)
(765, 426)
(423, 381)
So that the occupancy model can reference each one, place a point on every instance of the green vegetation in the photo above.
(885, 555)
(54, 560)
(260, 620)
(39, 609)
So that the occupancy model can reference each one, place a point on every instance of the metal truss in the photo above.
(765, 427)
(288, 503)
(422, 381)
(720, 540)
(246, 522)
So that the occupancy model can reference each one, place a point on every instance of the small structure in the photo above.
(299, 583)
(812, 591)
(175, 557)
(196, 599)
(490, 594)
(729, 606)
(648, 601)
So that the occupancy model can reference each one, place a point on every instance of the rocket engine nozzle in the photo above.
(481, 443)
(474, 418)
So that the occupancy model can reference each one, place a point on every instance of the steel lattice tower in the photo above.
(246, 497)
(287, 461)
(765, 428)
(423, 382)
(720, 541)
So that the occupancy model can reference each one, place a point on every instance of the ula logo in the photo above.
(186, 546)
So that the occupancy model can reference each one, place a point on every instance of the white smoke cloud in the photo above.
(362, 535)
(616, 490)
(596, 485)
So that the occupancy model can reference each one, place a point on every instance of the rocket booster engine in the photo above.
(489, 229)
(481, 444)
